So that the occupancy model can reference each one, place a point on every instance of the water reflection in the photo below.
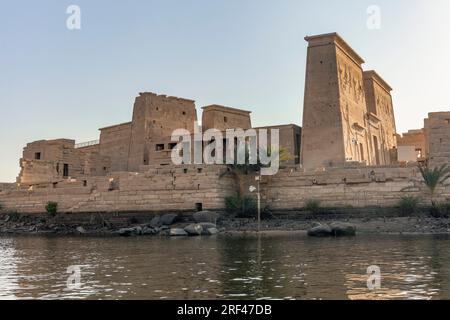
(228, 267)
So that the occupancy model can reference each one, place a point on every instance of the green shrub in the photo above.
(52, 208)
(14, 216)
(439, 210)
(408, 205)
(233, 204)
(244, 207)
(313, 206)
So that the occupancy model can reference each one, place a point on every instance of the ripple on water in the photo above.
(412, 267)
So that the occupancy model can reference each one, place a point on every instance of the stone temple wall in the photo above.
(437, 127)
(357, 187)
(185, 188)
(157, 189)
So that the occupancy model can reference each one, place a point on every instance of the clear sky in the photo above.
(61, 83)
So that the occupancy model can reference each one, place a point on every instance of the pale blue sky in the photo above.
(56, 83)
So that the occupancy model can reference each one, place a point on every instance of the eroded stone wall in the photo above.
(156, 189)
(437, 127)
(115, 144)
(223, 118)
(155, 117)
(184, 188)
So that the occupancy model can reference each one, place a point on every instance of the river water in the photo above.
(224, 267)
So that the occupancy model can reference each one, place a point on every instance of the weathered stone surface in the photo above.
(206, 216)
(127, 232)
(339, 229)
(146, 231)
(168, 219)
(194, 229)
(212, 231)
(206, 225)
(156, 222)
(81, 230)
(320, 231)
(177, 232)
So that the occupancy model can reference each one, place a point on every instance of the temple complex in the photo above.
(347, 152)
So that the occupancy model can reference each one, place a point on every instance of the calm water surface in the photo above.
(224, 267)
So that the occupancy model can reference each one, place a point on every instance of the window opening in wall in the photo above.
(419, 153)
(184, 113)
(37, 156)
(185, 170)
(225, 119)
(159, 147)
(172, 146)
(57, 168)
(199, 170)
(199, 206)
(84, 183)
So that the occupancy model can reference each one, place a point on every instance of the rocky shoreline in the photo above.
(211, 223)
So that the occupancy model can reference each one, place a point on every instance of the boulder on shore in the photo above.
(146, 231)
(194, 229)
(168, 219)
(340, 229)
(81, 230)
(212, 231)
(206, 216)
(156, 222)
(322, 230)
(335, 229)
(178, 232)
(128, 232)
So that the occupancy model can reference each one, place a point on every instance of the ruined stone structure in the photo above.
(430, 144)
(344, 155)
(132, 146)
(348, 113)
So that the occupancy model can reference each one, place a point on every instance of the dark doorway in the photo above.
(376, 150)
(66, 170)
(199, 206)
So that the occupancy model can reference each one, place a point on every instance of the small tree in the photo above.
(433, 178)
(52, 208)
(313, 206)
(408, 205)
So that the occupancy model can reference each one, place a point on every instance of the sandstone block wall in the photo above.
(155, 117)
(44, 161)
(416, 139)
(157, 189)
(223, 118)
(348, 114)
(290, 139)
(380, 106)
(357, 187)
(115, 144)
(187, 187)
(437, 128)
